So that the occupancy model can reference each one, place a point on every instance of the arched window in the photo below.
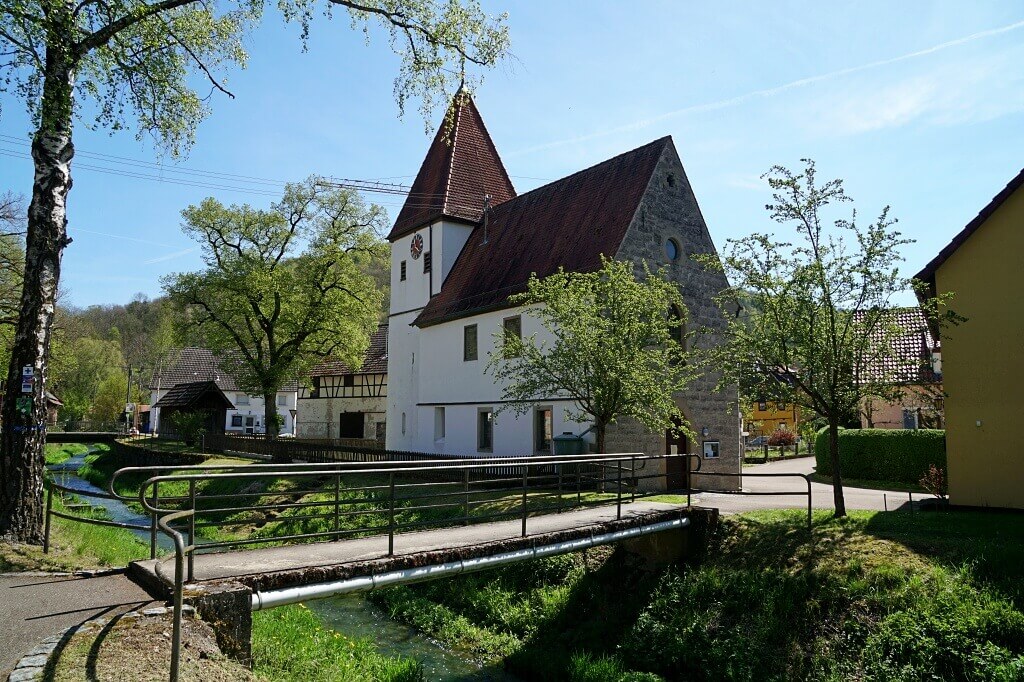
(678, 331)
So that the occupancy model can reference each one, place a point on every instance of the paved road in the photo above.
(821, 493)
(34, 607)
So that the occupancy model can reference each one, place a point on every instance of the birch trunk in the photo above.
(24, 431)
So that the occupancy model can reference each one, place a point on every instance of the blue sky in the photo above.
(919, 105)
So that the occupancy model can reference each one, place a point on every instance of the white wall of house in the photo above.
(427, 369)
(320, 412)
(246, 407)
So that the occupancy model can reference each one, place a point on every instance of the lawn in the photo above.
(58, 453)
(877, 597)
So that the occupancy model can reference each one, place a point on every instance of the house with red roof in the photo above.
(465, 241)
(342, 402)
(914, 363)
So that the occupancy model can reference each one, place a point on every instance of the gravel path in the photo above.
(36, 606)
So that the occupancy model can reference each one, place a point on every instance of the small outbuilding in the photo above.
(199, 396)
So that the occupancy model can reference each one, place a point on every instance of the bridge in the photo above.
(255, 536)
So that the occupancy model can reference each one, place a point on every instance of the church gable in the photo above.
(461, 167)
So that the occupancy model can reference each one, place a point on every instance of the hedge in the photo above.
(883, 454)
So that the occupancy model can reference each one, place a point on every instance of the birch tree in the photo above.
(142, 63)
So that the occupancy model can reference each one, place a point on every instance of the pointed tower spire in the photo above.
(462, 166)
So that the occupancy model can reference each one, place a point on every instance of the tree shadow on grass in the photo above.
(991, 542)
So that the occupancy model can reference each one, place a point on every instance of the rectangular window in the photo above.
(542, 429)
(469, 343)
(762, 406)
(242, 399)
(315, 391)
(350, 380)
(282, 400)
(485, 429)
(401, 271)
(513, 328)
(427, 261)
(438, 423)
(236, 420)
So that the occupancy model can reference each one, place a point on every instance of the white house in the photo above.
(464, 242)
(199, 364)
(340, 402)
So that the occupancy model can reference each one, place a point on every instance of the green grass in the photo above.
(290, 643)
(933, 596)
(75, 546)
(58, 453)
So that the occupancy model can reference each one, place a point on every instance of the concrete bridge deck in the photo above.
(276, 567)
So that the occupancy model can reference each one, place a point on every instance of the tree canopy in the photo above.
(818, 332)
(613, 344)
(283, 287)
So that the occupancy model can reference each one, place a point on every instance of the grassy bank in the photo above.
(878, 597)
(58, 453)
(75, 546)
(290, 643)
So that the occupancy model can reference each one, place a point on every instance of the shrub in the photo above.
(188, 426)
(782, 437)
(934, 482)
(883, 454)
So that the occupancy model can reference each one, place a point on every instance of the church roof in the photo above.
(568, 223)
(461, 167)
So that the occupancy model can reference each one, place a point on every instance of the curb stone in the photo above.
(33, 664)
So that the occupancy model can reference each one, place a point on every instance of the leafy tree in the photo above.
(615, 350)
(108, 404)
(86, 365)
(821, 332)
(284, 287)
(112, 59)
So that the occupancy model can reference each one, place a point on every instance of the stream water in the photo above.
(355, 616)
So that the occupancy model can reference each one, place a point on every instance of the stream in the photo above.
(354, 616)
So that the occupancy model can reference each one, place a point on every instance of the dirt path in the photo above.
(34, 607)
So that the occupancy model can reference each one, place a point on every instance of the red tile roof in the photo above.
(909, 360)
(927, 274)
(375, 361)
(567, 223)
(461, 166)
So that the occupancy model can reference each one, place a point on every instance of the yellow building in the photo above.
(983, 358)
(768, 416)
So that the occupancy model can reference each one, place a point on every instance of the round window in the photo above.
(672, 249)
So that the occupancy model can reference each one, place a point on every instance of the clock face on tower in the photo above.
(416, 247)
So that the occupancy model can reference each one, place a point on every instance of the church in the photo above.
(465, 241)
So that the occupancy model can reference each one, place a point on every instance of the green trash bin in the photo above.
(569, 444)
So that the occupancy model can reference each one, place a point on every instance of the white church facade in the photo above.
(465, 241)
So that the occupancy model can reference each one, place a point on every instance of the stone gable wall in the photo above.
(669, 210)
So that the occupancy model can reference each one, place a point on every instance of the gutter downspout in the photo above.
(293, 595)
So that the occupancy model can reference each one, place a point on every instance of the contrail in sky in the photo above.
(769, 92)
(169, 256)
